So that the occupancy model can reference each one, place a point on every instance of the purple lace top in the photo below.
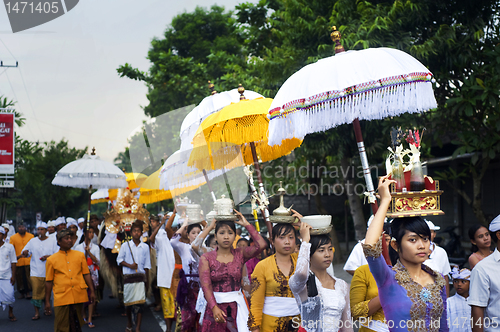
(408, 306)
(224, 277)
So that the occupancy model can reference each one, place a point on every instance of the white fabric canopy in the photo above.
(90, 171)
(176, 174)
(368, 84)
(207, 106)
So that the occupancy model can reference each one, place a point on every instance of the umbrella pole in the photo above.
(261, 187)
(209, 185)
(88, 212)
(227, 185)
(364, 162)
(368, 178)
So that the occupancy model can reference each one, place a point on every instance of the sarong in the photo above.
(68, 318)
(167, 302)
(38, 286)
(134, 289)
(6, 293)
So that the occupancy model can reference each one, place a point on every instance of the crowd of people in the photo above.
(210, 278)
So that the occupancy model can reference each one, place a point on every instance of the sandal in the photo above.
(91, 325)
(47, 313)
(129, 329)
(36, 317)
(12, 318)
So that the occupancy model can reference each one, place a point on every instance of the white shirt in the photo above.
(459, 314)
(484, 289)
(141, 257)
(165, 259)
(94, 250)
(356, 258)
(438, 261)
(190, 260)
(7, 257)
(37, 249)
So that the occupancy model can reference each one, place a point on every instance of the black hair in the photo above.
(316, 242)
(209, 239)
(84, 236)
(387, 228)
(282, 230)
(400, 226)
(192, 226)
(243, 239)
(472, 233)
(494, 236)
(137, 224)
(227, 223)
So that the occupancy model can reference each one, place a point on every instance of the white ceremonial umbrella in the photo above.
(178, 177)
(348, 87)
(90, 172)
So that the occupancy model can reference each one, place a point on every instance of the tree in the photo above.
(182, 62)
(36, 165)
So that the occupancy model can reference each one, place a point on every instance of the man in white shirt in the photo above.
(60, 224)
(438, 259)
(166, 266)
(6, 228)
(39, 248)
(134, 257)
(79, 233)
(72, 225)
(51, 229)
(8, 262)
(484, 290)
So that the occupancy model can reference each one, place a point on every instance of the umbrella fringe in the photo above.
(414, 97)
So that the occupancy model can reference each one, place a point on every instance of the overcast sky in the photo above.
(66, 84)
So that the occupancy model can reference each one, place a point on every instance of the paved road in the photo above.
(110, 320)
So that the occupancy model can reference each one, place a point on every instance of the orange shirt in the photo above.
(19, 242)
(236, 241)
(66, 270)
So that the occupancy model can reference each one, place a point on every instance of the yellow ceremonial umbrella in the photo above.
(233, 130)
(245, 124)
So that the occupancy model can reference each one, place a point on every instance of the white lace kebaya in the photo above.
(330, 310)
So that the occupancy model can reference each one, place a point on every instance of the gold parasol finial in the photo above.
(93, 151)
(211, 87)
(241, 90)
(336, 36)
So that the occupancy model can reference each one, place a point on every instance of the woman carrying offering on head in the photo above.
(189, 284)
(481, 244)
(273, 307)
(412, 295)
(323, 300)
(220, 278)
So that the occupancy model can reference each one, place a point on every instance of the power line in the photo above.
(31, 104)
(17, 100)
(8, 49)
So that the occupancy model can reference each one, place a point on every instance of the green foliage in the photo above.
(5, 103)
(36, 165)
(182, 62)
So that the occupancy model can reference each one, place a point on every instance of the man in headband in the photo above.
(485, 287)
(68, 274)
(457, 308)
(39, 249)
